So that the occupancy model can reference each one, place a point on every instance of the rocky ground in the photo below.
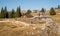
(19, 28)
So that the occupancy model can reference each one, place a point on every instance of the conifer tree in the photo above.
(28, 12)
(12, 14)
(7, 15)
(18, 12)
(42, 11)
(52, 11)
(2, 13)
(58, 6)
(6, 12)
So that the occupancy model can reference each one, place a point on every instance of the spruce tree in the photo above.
(28, 12)
(58, 6)
(2, 13)
(52, 11)
(6, 12)
(42, 11)
(12, 14)
(18, 12)
(7, 15)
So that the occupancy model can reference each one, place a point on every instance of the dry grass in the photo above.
(13, 29)
(56, 18)
(10, 29)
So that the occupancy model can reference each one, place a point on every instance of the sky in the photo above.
(29, 4)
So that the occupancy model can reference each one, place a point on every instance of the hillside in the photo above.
(56, 18)
(25, 26)
(13, 27)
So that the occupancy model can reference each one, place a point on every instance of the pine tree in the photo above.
(2, 13)
(12, 14)
(58, 6)
(42, 11)
(52, 11)
(18, 12)
(28, 12)
(6, 13)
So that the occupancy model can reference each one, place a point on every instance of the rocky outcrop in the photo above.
(50, 28)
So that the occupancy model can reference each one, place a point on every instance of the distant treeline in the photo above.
(4, 13)
(10, 14)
